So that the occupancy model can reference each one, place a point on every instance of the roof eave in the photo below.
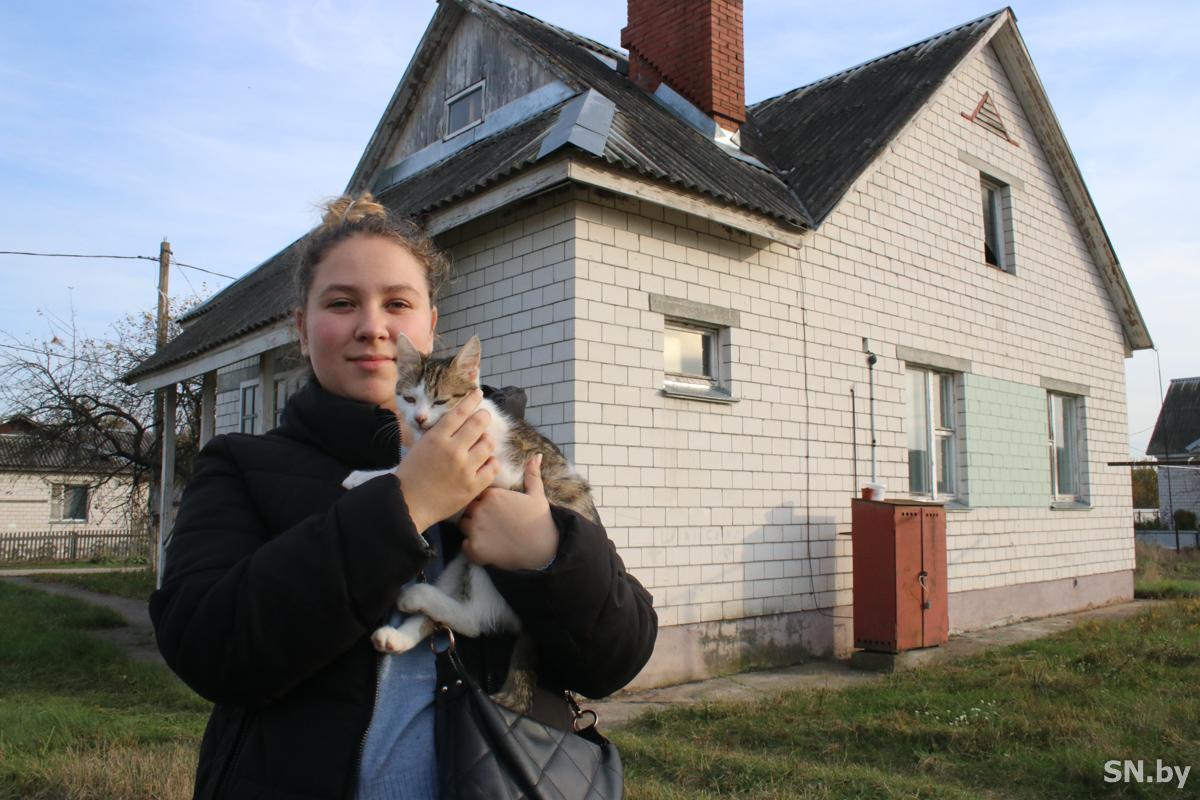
(383, 138)
(1010, 48)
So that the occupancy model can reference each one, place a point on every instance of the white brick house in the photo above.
(47, 487)
(690, 311)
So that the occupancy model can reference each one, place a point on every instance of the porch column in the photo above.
(166, 483)
(208, 407)
(266, 376)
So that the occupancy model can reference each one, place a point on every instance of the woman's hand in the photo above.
(450, 464)
(511, 530)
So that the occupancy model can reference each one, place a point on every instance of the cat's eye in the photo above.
(409, 399)
(439, 402)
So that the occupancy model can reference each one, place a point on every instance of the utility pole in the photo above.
(164, 404)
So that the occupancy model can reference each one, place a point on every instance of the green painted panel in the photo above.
(1005, 443)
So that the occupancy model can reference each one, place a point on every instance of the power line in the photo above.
(201, 269)
(52, 354)
(130, 258)
(69, 255)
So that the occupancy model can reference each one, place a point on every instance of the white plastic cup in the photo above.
(874, 491)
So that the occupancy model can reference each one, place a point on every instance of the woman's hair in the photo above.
(348, 216)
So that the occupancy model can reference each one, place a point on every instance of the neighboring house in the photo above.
(1176, 439)
(687, 288)
(47, 487)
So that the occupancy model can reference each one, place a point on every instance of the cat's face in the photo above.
(426, 388)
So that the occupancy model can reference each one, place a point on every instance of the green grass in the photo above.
(135, 561)
(135, 585)
(1034, 720)
(79, 718)
(1166, 574)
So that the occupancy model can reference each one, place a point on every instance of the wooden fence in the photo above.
(66, 545)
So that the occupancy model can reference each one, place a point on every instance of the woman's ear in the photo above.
(301, 334)
(433, 324)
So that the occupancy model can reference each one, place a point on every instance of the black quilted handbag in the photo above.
(488, 752)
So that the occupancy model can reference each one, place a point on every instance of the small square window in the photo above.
(464, 110)
(997, 224)
(688, 352)
(70, 502)
(696, 348)
(692, 361)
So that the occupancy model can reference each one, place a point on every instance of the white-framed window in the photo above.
(285, 387)
(694, 360)
(70, 502)
(696, 348)
(997, 223)
(248, 406)
(1064, 413)
(464, 109)
(932, 433)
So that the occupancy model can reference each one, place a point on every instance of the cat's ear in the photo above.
(466, 362)
(407, 356)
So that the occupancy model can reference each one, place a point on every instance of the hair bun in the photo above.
(349, 210)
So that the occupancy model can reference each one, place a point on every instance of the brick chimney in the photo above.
(696, 47)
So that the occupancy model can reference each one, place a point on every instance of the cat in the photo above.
(464, 598)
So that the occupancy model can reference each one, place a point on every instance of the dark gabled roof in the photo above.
(823, 135)
(40, 451)
(648, 138)
(1177, 430)
(811, 144)
(257, 299)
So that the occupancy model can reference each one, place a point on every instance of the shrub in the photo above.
(1185, 520)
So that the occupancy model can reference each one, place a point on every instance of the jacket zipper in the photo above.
(362, 742)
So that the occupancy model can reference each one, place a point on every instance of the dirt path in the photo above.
(137, 637)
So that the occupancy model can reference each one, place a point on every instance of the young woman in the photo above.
(276, 576)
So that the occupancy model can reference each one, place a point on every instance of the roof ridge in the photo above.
(586, 41)
(869, 62)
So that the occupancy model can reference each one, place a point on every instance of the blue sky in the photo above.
(222, 124)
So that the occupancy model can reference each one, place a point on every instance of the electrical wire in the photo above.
(52, 354)
(70, 255)
(130, 258)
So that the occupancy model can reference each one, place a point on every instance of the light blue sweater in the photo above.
(398, 757)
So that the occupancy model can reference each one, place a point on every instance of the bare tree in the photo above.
(70, 386)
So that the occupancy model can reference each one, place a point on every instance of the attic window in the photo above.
(986, 115)
(464, 110)
(997, 223)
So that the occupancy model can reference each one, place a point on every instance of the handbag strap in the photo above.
(442, 643)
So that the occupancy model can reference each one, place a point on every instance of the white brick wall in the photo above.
(26, 502)
(729, 511)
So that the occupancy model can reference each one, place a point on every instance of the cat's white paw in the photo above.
(392, 640)
(417, 599)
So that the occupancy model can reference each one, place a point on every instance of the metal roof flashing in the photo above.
(681, 107)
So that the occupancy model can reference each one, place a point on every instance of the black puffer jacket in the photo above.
(276, 576)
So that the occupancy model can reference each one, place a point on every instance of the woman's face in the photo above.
(366, 292)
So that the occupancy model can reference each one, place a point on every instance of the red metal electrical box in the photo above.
(899, 575)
